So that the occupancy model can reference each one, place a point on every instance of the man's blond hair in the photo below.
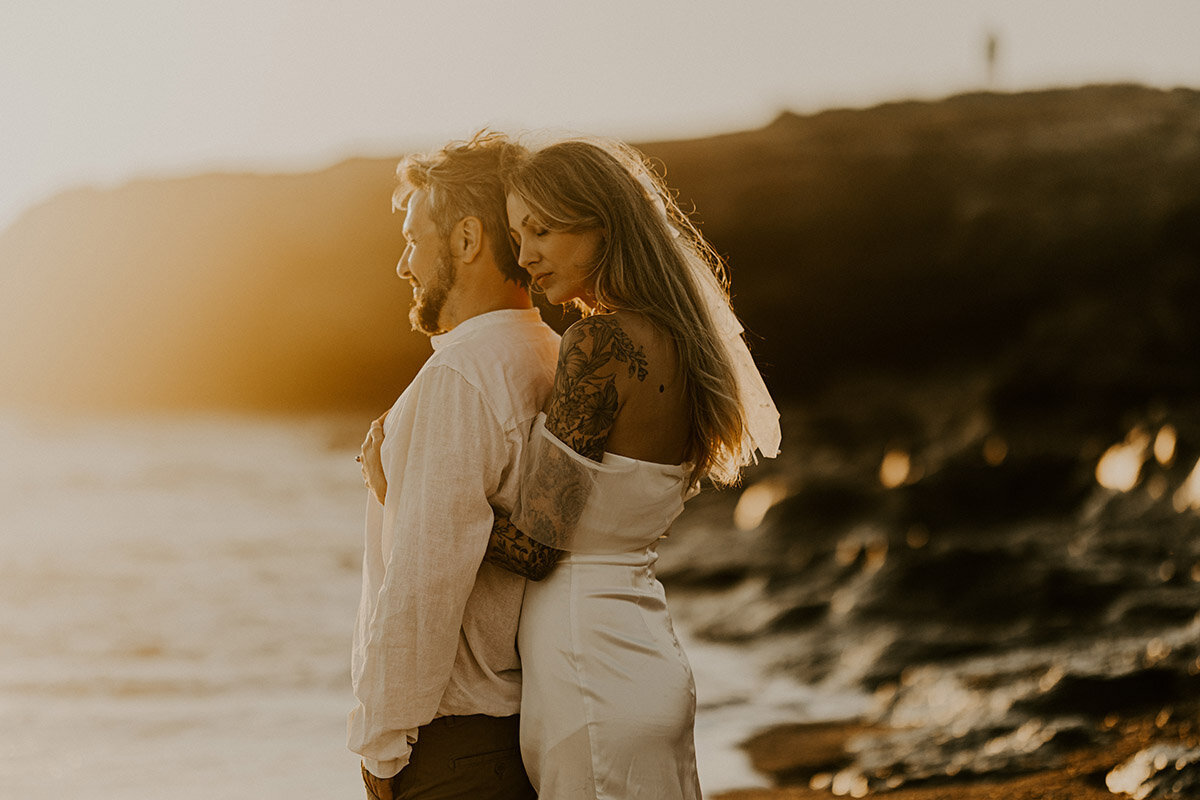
(463, 180)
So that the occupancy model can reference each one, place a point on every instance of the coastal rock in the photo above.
(1166, 770)
(996, 644)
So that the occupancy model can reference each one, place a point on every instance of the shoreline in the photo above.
(803, 759)
(739, 696)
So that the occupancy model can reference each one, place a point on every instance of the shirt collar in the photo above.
(470, 326)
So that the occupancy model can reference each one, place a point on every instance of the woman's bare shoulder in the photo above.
(607, 343)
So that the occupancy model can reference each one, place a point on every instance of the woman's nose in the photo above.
(526, 255)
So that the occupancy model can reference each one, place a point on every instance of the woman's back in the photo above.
(608, 704)
(639, 389)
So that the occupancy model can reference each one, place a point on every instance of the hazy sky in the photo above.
(100, 92)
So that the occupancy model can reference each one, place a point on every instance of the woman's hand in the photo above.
(371, 462)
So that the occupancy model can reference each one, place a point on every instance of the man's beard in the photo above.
(427, 305)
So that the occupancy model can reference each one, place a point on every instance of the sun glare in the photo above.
(1188, 495)
(755, 502)
(1164, 445)
(1121, 465)
(895, 468)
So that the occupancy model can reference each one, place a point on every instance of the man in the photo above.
(435, 668)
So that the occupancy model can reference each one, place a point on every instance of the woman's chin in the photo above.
(558, 298)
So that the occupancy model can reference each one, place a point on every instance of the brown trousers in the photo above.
(460, 757)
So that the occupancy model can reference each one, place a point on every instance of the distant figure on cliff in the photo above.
(990, 48)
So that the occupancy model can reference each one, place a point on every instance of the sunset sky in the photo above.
(104, 92)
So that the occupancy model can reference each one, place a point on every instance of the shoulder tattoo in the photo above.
(585, 393)
(624, 351)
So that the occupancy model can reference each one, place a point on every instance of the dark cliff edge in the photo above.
(897, 238)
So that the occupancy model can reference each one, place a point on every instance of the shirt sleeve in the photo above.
(436, 524)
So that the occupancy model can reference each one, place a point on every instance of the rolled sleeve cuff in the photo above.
(395, 743)
(387, 769)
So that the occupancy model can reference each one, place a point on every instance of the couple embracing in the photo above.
(512, 640)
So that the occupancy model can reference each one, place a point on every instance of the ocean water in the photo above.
(176, 601)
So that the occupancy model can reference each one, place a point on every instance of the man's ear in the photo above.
(466, 240)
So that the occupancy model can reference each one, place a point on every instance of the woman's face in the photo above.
(560, 263)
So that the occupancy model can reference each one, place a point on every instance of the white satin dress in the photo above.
(608, 701)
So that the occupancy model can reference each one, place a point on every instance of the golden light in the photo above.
(871, 547)
(1188, 495)
(1164, 445)
(895, 468)
(1121, 465)
(917, 537)
(1157, 650)
(995, 450)
(755, 502)
(1157, 487)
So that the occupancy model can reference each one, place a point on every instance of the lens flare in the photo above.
(755, 502)
(1121, 465)
(895, 468)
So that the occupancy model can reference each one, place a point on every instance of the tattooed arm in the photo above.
(516, 552)
(583, 408)
(595, 351)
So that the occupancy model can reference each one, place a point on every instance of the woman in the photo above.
(654, 391)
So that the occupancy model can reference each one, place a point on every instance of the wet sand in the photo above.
(804, 757)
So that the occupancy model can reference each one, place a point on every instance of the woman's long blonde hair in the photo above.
(653, 262)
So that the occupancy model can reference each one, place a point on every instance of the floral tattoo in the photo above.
(581, 415)
(585, 392)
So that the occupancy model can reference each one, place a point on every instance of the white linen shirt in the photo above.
(436, 629)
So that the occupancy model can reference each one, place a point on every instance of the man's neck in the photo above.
(471, 301)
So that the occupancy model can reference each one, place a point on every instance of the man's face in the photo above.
(426, 264)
